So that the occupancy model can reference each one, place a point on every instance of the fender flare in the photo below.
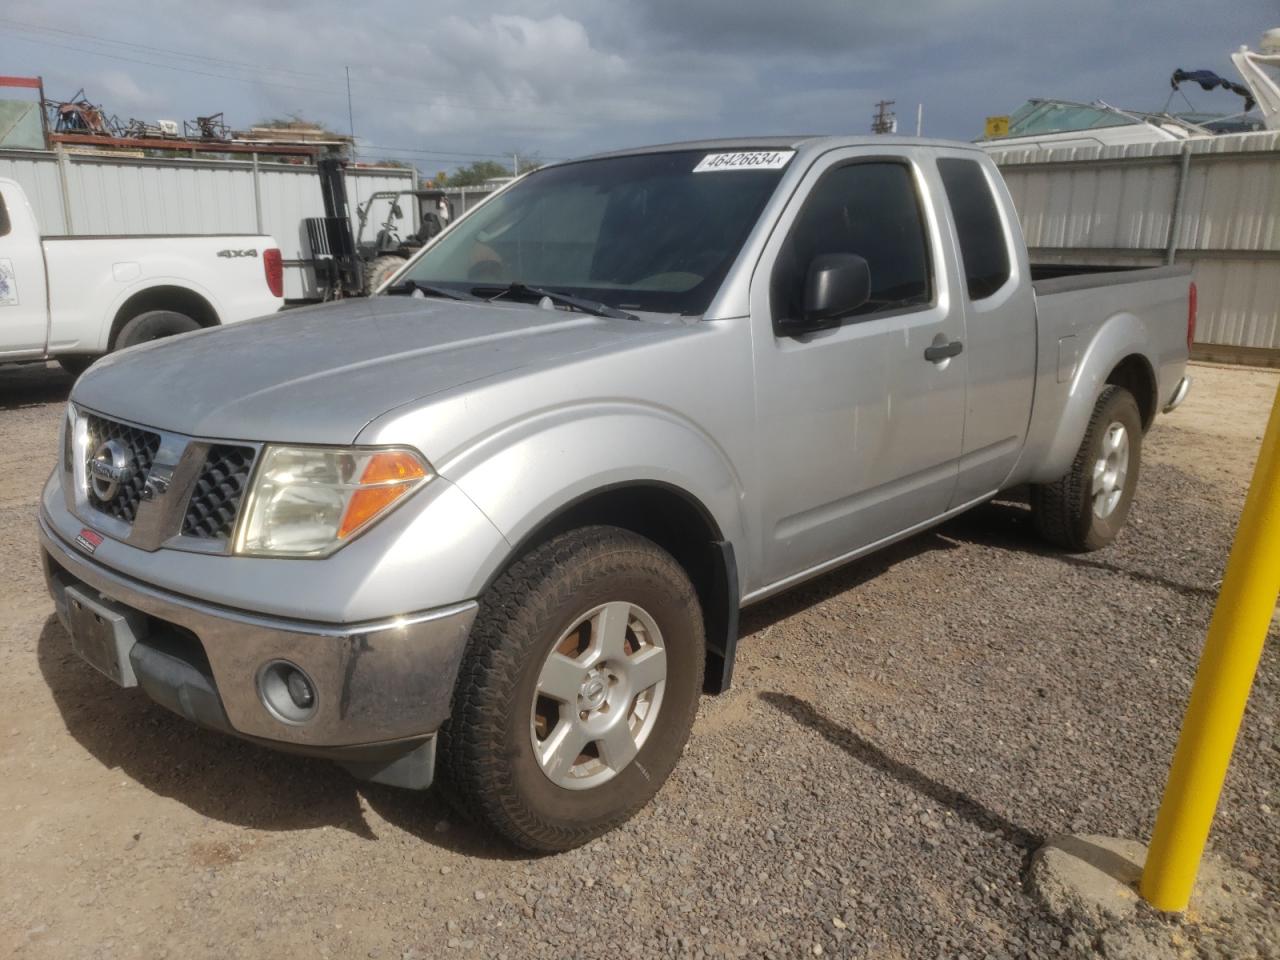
(142, 286)
(620, 443)
(524, 472)
(1122, 335)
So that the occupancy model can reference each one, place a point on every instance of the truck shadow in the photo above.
(1002, 524)
(33, 384)
(854, 574)
(1006, 524)
(227, 779)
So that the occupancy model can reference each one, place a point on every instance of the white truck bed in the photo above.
(71, 297)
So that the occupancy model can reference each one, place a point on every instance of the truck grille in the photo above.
(141, 445)
(215, 501)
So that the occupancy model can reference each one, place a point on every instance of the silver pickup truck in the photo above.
(494, 526)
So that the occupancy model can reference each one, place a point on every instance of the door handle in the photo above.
(938, 352)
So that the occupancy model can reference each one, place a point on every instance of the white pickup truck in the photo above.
(75, 298)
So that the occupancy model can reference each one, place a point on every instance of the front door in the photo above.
(860, 432)
(23, 316)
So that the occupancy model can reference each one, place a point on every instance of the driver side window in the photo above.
(865, 208)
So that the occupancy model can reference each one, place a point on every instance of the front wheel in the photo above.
(578, 690)
(378, 270)
(1086, 509)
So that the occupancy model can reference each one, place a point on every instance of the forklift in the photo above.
(387, 251)
(349, 265)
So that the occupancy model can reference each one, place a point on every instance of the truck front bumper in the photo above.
(378, 690)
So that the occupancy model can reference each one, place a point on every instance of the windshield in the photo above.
(641, 232)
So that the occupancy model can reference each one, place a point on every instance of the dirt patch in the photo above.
(1217, 431)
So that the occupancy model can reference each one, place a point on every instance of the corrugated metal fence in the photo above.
(1213, 203)
(464, 198)
(81, 193)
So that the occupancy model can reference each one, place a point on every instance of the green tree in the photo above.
(477, 173)
(296, 121)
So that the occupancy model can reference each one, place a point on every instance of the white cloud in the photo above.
(118, 89)
(566, 77)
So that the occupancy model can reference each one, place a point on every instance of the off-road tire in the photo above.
(153, 325)
(378, 269)
(487, 764)
(1063, 511)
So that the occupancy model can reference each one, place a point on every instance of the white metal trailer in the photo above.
(94, 194)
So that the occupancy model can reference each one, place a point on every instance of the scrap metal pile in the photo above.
(80, 116)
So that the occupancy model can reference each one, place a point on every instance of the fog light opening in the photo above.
(300, 691)
(287, 692)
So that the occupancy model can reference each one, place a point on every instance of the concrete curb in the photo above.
(1089, 884)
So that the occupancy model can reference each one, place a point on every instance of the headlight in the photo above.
(68, 437)
(309, 501)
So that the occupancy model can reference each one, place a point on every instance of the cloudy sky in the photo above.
(442, 84)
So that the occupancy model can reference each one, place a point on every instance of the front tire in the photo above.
(578, 690)
(1087, 508)
(378, 269)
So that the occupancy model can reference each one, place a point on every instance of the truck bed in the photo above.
(1059, 277)
(1085, 311)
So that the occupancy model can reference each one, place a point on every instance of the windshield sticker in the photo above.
(755, 160)
(8, 284)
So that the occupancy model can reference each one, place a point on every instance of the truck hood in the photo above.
(320, 374)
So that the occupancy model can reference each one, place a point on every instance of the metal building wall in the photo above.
(464, 198)
(111, 194)
(37, 172)
(1122, 205)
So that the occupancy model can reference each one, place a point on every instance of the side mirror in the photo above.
(836, 285)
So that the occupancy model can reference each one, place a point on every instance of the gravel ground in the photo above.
(901, 735)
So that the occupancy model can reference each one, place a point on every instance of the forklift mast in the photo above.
(335, 232)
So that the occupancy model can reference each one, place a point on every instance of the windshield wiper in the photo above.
(406, 288)
(593, 307)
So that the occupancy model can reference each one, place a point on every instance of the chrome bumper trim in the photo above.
(379, 680)
(1179, 394)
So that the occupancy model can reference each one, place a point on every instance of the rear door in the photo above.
(23, 313)
(860, 434)
(1000, 321)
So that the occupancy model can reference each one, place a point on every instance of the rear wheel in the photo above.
(153, 325)
(578, 690)
(1086, 509)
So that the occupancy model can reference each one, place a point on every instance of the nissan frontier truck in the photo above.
(494, 526)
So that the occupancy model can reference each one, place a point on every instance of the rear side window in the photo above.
(984, 248)
(865, 208)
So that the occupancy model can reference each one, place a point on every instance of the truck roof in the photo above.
(804, 142)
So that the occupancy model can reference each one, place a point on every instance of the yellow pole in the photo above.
(1232, 649)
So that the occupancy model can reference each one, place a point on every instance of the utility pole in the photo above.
(919, 119)
(884, 121)
(515, 164)
(351, 122)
